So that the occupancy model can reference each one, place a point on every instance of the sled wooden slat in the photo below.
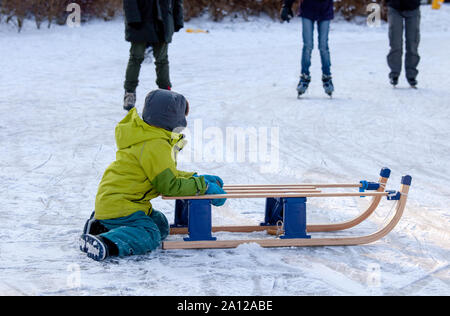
(318, 185)
(249, 188)
(270, 191)
(269, 188)
(273, 195)
(231, 229)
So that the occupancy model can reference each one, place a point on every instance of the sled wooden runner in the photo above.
(292, 197)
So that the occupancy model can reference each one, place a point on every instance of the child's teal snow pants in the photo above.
(138, 233)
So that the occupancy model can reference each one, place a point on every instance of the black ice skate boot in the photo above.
(328, 85)
(303, 84)
(412, 82)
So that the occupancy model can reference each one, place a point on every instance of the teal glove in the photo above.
(215, 189)
(212, 179)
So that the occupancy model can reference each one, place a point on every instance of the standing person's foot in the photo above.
(129, 100)
(394, 81)
(328, 84)
(303, 84)
(413, 83)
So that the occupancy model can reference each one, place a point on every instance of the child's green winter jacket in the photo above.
(145, 168)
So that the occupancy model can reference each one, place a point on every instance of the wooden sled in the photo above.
(285, 204)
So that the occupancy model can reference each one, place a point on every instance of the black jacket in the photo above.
(152, 21)
(315, 10)
(403, 5)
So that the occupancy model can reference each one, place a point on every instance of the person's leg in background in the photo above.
(394, 57)
(160, 52)
(308, 45)
(324, 31)
(137, 53)
(412, 35)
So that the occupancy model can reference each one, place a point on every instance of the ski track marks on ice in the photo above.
(61, 98)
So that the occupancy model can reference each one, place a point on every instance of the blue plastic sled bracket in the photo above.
(274, 212)
(199, 220)
(290, 211)
(385, 173)
(294, 218)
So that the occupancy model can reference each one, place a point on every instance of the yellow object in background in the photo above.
(196, 31)
(436, 5)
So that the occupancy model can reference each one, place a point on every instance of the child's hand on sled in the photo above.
(213, 189)
(213, 179)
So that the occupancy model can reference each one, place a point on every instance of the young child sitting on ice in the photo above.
(124, 222)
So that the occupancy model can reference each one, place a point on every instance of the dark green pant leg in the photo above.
(160, 52)
(137, 52)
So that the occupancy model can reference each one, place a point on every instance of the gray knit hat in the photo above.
(165, 109)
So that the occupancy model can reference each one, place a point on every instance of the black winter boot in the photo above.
(412, 82)
(94, 246)
(129, 100)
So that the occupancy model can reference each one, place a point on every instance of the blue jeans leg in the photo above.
(308, 44)
(324, 30)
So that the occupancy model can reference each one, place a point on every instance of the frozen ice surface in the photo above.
(60, 98)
